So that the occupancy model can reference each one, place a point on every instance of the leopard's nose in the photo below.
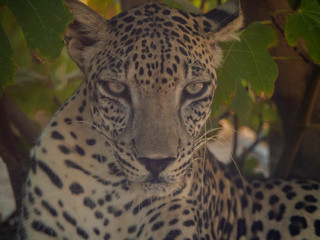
(156, 166)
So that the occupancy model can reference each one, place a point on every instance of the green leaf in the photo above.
(241, 103)
(305, 24)
(43, 23)
(247, 59)
(8, 68)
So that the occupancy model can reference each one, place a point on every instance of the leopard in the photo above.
(124, 158)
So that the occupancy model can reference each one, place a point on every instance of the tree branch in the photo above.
(16, 129)
(303, 123)
(203, 2)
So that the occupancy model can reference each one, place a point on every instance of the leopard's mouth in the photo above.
(156, 180)
(160, 189)
(157, 186)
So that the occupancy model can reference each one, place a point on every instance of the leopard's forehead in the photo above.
(156, 46)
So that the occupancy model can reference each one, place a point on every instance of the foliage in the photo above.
(8, 67)
(40, 84)
(247, 60)
(43, 23)
(305, 23)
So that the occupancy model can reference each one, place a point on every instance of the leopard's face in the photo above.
(151, 79)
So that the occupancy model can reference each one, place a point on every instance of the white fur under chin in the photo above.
(148, 189)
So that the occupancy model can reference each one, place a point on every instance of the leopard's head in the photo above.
(151, 76)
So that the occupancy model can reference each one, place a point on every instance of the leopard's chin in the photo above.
(157, 188)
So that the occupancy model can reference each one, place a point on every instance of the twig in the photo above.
(275, 23)
(304, 57)
(202, 5)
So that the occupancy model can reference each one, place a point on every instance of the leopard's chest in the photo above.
(75, 194)
(94, 208)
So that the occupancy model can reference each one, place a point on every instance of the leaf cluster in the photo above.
(246, 79)
(43, 23)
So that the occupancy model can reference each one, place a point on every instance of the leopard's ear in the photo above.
(222, 22)
(83, 32)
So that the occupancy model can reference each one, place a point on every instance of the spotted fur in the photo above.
(121, 160)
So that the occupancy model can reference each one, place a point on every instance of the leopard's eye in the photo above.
(116, 88)
(195, 89)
